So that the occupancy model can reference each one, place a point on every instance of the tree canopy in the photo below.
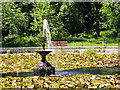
(81, 19)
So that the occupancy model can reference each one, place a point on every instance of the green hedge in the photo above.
(18, 41)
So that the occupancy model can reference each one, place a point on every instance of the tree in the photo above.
(72, 15)
(49, 11)
(13, 20)
(39, 13)
(110, 15)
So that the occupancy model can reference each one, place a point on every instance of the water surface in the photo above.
(70, 72)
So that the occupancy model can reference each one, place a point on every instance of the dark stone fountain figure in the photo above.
(43, 68)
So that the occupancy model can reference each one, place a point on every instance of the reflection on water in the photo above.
(90, 70)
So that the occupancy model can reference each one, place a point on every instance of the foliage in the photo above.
(108, 34)
(14, 21)
(110, 17)
(72, 20)
(8, 51)
(118, 35)
(17, 41)
(39, 13)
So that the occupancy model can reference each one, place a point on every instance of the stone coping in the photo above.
(59, 47)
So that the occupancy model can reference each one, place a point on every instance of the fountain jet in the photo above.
(44, 68)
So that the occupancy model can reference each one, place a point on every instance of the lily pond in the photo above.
(73, 70)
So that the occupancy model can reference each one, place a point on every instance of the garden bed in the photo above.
(78, 81)
(61, 61)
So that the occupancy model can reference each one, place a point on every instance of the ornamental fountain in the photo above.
(44, 68)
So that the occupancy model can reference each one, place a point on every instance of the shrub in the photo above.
(18, 41)
(103, 34)
(118, 36)
(108, 34)
(9, 40)
(8, 51)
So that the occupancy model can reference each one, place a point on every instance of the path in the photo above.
(108, 49)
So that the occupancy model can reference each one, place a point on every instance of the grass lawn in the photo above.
(85, 43)
(95, 42)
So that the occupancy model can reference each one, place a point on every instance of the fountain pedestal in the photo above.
(43, 68)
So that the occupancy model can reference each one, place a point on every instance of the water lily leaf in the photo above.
(62, 83)
(48, 82)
